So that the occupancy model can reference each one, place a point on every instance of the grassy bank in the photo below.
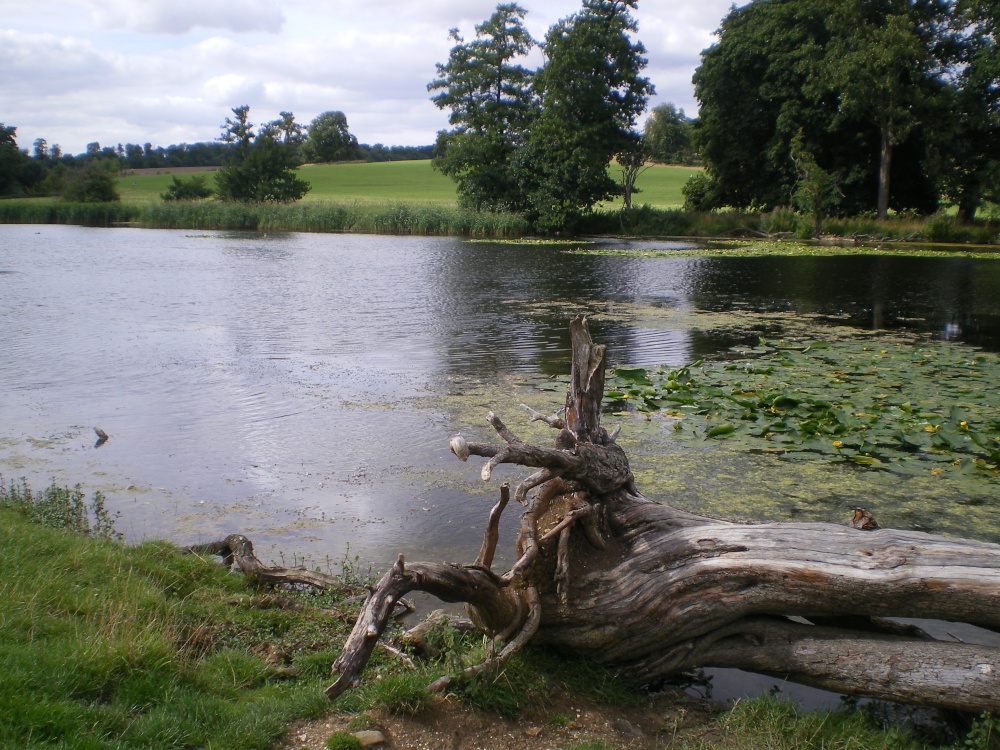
(111, 646)
(657, 222)
(441, 219)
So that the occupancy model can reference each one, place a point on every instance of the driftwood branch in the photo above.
(450, 583)
(237, 549)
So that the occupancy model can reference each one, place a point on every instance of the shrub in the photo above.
(61, 508)
(187, 190)
(95, 182)
(699, 193)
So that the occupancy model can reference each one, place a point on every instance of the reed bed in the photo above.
(651, 221)
(374, 218)
(385, 218)
(413, 218)
(42, 211)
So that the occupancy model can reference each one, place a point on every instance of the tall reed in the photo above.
(54, 212)
(406, 217)
(380, 218)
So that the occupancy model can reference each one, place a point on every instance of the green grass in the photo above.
(659, 186)
(768, 723)
(149, 188)
(104, 645)
(525, 685)
(404, 181)
(391, 181)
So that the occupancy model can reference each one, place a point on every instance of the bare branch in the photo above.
(492, 534)
(238, 549)
(555, 421)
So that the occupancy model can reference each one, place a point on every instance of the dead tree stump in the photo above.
(606, 573)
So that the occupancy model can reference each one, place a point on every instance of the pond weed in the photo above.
(907, 407)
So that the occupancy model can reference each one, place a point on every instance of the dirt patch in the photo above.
(168, 170)
(654, 723)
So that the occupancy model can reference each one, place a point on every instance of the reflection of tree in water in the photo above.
(956, 298)
(502, 308)
(505, 306)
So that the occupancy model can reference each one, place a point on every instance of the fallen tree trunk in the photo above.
(604, 572)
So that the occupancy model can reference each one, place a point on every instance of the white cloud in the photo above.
(182, 16)
(45, 65)
(231, 89)
(132, 71)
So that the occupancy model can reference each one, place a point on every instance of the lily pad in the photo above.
(879, 405)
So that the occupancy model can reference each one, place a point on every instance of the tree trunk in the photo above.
(884, 167)
(969, 200)
(605, 573)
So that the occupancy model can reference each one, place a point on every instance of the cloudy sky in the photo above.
(169, 71)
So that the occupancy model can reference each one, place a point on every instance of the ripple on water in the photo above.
(278, 372)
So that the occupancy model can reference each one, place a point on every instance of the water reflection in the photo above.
(953, 298)
(294, 386)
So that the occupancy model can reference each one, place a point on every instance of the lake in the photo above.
(302, 388)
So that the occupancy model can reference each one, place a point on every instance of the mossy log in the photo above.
(608, 574)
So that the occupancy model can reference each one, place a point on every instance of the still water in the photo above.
(302, 388)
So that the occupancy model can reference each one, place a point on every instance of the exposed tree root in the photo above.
(605, 573)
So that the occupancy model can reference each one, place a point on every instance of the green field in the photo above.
(659, 186)
(406, 181)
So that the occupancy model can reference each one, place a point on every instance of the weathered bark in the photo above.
(238, 549)
(603, 572)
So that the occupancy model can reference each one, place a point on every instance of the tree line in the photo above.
(830, 106)
(850, 107)
(89, 176)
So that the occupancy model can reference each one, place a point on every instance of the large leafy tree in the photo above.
(591, 93)
(757, 89)
(260, 168)
(329, 139)
(970, 146)
(667, 135)
(15, 176)
(854, 77)
(879, 66)
(492, 106)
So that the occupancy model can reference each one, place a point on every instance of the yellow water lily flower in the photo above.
(838, 443)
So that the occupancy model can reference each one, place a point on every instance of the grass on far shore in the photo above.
(398, 181)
